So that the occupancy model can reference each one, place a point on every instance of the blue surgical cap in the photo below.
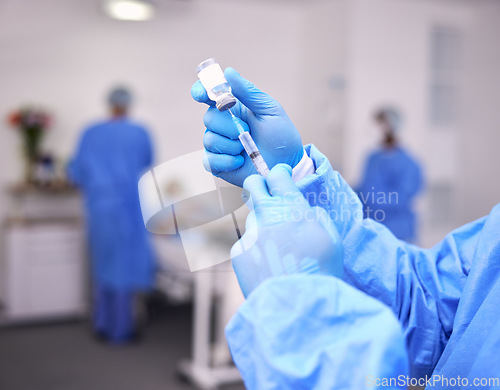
(120, 97)
(393, 117)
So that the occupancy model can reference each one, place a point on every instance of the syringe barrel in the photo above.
(254, 154)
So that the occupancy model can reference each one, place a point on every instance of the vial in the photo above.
(218, 89)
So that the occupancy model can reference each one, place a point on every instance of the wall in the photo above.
(479, 181)
(324, 63)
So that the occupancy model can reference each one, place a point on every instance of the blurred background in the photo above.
(330, 63)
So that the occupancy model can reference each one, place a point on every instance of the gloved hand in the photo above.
(284, 234)
(272, 130)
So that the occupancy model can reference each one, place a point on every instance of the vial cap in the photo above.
(225, 102)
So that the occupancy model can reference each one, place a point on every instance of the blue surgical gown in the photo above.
(305, 332)
(110, 158)
(390, 182)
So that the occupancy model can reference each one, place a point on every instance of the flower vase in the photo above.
(29, 169)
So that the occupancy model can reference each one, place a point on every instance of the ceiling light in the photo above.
(136, 10)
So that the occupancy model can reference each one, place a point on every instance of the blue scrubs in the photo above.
(110, 159)
(391, 180)
(305, 331)
(113, 317)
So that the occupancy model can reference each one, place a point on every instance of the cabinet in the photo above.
(44, 267)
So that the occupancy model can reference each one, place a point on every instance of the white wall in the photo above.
(479, 183)
(324, 62)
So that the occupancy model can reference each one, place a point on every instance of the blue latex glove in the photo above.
(284, 235)
(274, 133)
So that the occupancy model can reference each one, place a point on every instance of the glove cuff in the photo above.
(304, 168)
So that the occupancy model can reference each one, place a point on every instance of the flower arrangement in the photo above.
(32, 124)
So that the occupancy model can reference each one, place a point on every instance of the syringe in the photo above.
(250, 147)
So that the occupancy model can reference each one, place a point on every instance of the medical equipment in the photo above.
(250, 147)
(218, 89)
(277, 137)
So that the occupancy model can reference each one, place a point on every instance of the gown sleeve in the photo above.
(421, 286)
(316, 332)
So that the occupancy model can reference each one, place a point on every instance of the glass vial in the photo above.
(218, 89)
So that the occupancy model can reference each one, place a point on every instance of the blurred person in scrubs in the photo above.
(391, 180)
(111, 156)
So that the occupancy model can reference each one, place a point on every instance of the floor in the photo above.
(65, 357)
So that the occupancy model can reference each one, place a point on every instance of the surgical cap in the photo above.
(120, 97)
(393, 117)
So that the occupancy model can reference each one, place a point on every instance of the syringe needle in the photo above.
(237, 123)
